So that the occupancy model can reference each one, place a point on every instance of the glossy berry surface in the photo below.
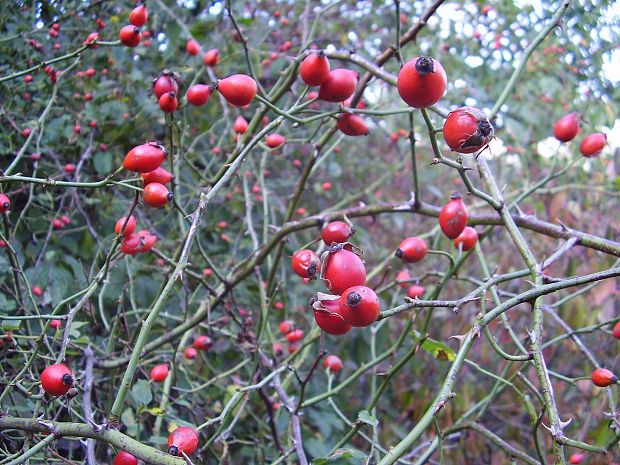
(130, 226)
(57, 379)
(467, 239)
(159, 174)
(339, 86)
(359, 306)
(192, 47)
(198, 94)
(343, 269)
(328, 315)
(5, 203)
(467, 130)
(314, 69)
(412, 249)
(453, 217)
(202, 343)
(593, 144)
(238, 90)
(130, 36)
(156, 195)
(333, 363)
(421, 82)
(274, 140)
(182, 439)
(165, 84)
(567, 127)
(144, 158)
(139, 15)
(125, 458)
(211, 57)
(352, 125)
(159, 372)
(168, 102)
(306, 263)
(602, 377)
(190, 353)
(336, 231)
(415, 292)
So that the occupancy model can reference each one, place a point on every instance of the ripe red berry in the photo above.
(168, 102)
(57, 224)
(5, 203)
(602, 377)
(616, 330)
(240, 125)
(339, 86)
(130, 227)
(190, 353)
(65, 220)
(336, 231)
(198, 94)
(164, 84)
(159, 372)
(26, 132)
(36, 290)
(576, 459)
(328, 315)
(192, 47)
(160, 175)
(182, 439)
(147, 241)
(238, 89)
(314, 70)
(326, 186)
(91, 39)
(202, 343)
(286, 327)
(57, 379)
(306, 263)
(295, 335)
(130, 36)
(593, 144)
(70, 168)
(422, 82)
(125, 458)
(333, 363)
(403, 277)
(157, 195)
(359, 306)
(275, 140)
(453, 216)
(211, 57)
(467, 239)
(28, 78)
(566, 128)
(343, 269)
(415, 292)
(411, 250)
(352, 125)
(139, 15)
(144, 158)
(55, 324)
(467, 130)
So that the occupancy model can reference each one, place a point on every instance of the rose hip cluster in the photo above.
(351, 302)
(567, 128)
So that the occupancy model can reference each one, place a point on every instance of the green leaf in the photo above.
(365, 417)
(141, 391)
(439, 350)
(158, 412)
(340, 456)
(103, 162)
